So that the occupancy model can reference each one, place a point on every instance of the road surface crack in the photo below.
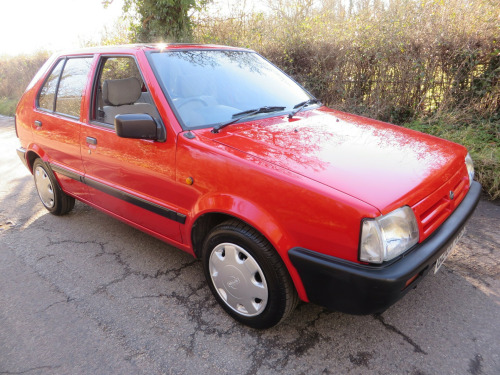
(68, 299)
(391, 328)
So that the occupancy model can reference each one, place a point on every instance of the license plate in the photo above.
(448, 251)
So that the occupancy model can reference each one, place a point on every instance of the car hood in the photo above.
(383, 165)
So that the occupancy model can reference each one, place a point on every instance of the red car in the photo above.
(217, 152)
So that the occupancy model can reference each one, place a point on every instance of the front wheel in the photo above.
(247, 276)
(53, 198)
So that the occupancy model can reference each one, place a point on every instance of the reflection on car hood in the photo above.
(382, 164)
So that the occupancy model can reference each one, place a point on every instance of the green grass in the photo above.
(480, 136)
(8, 106)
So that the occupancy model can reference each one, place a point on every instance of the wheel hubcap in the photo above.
(238, 279)
(44, 187)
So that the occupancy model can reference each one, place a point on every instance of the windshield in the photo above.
(207, 87)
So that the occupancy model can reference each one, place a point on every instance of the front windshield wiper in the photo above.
(299, 107)
(241, 115)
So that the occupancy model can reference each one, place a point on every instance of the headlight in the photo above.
(385, 237)
(470, 167)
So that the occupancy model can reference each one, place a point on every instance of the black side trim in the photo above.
(150, 206)
(127, 197)
(361, 289)
(67, 173)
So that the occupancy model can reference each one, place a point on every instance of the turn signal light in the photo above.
(410, 280)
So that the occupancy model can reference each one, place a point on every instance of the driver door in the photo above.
(133, 179)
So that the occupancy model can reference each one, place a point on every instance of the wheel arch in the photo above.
(34, 152)
(31, 156)
(251, 215)
(203, 225)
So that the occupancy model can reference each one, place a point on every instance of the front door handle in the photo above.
(91, 141)
(38, 124)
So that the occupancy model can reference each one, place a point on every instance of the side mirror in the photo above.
(138, 126)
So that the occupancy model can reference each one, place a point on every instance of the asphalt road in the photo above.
(87, 294)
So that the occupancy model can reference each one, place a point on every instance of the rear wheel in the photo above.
(53, 198)
(247, 276)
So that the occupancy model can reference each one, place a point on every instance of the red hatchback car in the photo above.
(217, 152)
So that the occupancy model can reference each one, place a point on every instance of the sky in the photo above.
(27, 26)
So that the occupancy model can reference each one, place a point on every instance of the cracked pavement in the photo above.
(87, 294)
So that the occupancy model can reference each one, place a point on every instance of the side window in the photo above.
(120, 90)
(73, 81)
(120, 68)
(62, 93)
(48, 91)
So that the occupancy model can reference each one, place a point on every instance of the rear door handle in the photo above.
(38, 124)
(91, 141)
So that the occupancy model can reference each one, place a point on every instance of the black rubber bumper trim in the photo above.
(21, 152)
(362, 289)
(127, 197)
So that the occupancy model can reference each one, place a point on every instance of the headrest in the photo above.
(121, 91)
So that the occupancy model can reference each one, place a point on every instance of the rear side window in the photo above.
(71, 85)
(62, 93)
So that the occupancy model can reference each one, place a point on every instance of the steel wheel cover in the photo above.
(238, 279)
(44, 187)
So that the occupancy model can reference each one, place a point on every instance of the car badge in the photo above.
(233, 283)
(452, 195)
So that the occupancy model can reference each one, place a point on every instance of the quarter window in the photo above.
(48, 92)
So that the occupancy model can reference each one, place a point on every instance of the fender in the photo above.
(254, 216)
(33, 148)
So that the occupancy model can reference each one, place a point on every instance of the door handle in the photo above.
(38, 124)
(91, 141)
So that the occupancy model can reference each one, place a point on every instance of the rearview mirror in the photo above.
(138, 126)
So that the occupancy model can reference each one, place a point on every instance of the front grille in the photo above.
(432, 211)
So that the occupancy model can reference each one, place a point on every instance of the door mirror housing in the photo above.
(139, 126)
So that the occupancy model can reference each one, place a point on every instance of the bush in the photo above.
(8, 106)
(411, 58)
(428, 64)
(432, 65)
(15, 74)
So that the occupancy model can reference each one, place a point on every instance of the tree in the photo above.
(161, 20)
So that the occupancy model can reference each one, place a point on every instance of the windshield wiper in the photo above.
(241, 115)
(299, 107)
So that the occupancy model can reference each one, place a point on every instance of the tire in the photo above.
(247, 276)
(50, 193)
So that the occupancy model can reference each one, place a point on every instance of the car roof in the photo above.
(131, 48)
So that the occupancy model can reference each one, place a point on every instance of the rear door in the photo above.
(56, 121)
(133, 179)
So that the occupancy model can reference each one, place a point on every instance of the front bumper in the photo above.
(362, 289)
